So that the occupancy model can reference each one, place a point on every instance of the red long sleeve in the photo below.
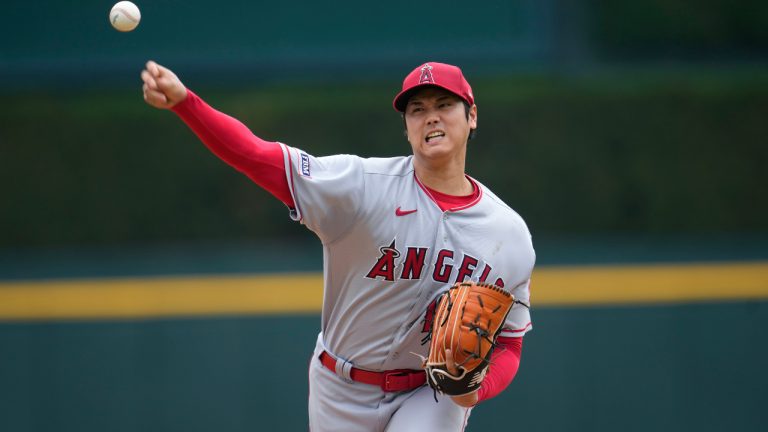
(235, 144)
(505, 361)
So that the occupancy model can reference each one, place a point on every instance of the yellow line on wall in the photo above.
(302, 293)
(159, 297)
(649, 284)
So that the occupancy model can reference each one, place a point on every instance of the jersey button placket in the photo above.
(445, 221)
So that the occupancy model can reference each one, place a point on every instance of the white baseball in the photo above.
(124, 16)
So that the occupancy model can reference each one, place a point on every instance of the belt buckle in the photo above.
(402, 380)
(388, 384)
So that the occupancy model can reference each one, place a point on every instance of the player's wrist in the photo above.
(181, 102)
(467, 401)
(180, 95)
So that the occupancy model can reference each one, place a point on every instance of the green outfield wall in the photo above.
(659, 346)
(610, 152)
(684, 367)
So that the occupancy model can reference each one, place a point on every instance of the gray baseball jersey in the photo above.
(389, 251)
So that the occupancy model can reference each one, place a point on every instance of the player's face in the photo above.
(437, 124)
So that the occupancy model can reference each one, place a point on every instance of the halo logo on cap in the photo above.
(426, 75)
(445, 76)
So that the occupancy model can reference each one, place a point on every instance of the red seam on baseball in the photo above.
(126, 13)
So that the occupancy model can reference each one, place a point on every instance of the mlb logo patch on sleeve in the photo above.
(305, 165)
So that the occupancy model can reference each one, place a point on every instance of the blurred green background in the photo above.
(621, 131)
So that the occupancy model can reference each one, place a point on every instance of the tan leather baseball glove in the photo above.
(468, 319)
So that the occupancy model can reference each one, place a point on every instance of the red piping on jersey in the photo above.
(309, 376)
(525, 327)
(440, 204)
(466, 419)
(292, 186)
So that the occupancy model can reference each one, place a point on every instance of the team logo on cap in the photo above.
(426, 75)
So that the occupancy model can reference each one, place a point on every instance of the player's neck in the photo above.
(444, 178)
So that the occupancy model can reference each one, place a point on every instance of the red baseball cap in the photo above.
(433, 74)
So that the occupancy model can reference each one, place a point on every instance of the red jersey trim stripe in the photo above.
(473, 202)
(452, 209)
(521, 330)
(289, 173)
(466, 419)
(426, 191)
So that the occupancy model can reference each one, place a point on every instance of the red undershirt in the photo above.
(447, 202)
(262, 162)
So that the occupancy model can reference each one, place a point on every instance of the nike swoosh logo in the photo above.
(399, 212)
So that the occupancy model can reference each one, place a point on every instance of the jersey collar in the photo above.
(452, 203)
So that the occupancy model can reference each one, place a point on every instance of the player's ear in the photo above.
(472, 117)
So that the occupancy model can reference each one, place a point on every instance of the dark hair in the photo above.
(472, 132)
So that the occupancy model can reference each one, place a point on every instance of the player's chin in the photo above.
(436, 150)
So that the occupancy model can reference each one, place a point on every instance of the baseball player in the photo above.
(396, 233)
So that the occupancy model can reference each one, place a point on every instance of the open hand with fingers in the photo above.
(162, 88)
